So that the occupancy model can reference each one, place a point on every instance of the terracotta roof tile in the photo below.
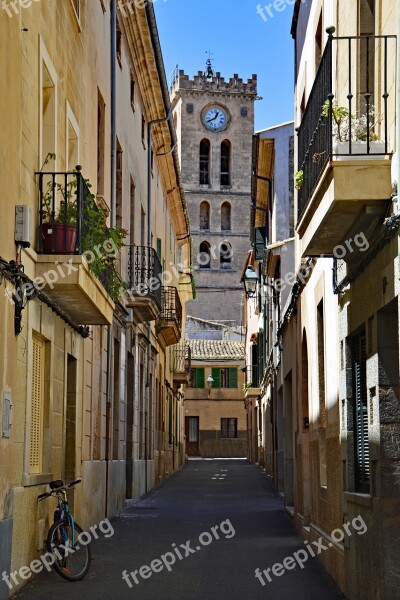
(216, 350)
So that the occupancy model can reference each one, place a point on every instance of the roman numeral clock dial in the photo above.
(215, 118)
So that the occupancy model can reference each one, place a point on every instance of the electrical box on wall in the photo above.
(6, 414)
(23, 225)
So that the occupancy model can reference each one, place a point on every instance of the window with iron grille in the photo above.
(360, 414)
(229, 428)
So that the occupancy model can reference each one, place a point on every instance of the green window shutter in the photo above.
(159, 251)
(259, 242)
(200, 378)
(216, 375)
(233, 378)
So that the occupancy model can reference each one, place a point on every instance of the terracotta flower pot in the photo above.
(64, 242)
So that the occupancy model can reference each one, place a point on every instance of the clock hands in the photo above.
(213, 119)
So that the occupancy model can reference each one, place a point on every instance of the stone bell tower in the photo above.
(214, 119)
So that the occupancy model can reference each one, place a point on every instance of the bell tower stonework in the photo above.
(214, 119)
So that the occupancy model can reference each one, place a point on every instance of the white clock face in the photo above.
(215, 118)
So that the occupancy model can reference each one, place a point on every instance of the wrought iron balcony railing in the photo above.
(65, 203)
(351, 107)
(171, 306)
(182, 358)
(253, 379)
(145, 273)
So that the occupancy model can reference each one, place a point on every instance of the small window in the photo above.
(225, 256)
(229, 428)
(225, 163)
(119, 45)
(205, 216)
(197, 378)
(226, 217)
(133, 93)
(204, 162)
(204, 257)
(143, 129)
(225, 378)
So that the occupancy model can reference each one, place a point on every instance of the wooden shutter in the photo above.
(361, 416)
(36, 429)
(216, 375)
(233, 377)
(200, 378)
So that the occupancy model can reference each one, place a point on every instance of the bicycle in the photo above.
(72, 557)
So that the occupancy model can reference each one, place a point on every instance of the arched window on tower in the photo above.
(205, 216)
(204, 162)
(225, 255)
(226, 217)
(204, 258)
(226, 163)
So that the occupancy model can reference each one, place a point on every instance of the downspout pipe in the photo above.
(113, 59)
(150, 126)
(151, 19)
(398, 107)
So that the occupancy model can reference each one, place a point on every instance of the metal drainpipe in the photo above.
(113, 57)
(149, 209)
(398, 107)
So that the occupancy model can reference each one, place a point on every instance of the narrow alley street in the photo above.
(254, 530)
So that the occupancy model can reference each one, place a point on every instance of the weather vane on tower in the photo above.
(209, 72)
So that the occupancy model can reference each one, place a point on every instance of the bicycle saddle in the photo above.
(56, 484)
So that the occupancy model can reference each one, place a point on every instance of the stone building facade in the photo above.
(215, 419)
(215, 121)
(328, 431)
(90, 385)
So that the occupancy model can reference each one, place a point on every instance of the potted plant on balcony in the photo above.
(347, 127)
(59, 226)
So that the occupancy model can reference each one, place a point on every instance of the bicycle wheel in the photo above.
(72, 560)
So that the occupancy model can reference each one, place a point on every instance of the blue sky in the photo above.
(241, 41)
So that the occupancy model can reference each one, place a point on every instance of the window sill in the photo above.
(357, 498)
(40, 479)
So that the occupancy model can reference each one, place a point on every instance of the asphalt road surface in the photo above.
(199, 536)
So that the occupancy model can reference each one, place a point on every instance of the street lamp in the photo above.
(249, 281)
(210, 382)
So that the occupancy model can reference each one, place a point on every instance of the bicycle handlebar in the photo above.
(66, 487)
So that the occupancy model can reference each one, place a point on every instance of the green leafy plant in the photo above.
(299, 179)
(95, 233)
(347, 126)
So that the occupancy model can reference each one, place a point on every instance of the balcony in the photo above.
(144, 281)
(345, 143)
(181, 363)
(253, 377)
(169, 324)
(63, 263)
